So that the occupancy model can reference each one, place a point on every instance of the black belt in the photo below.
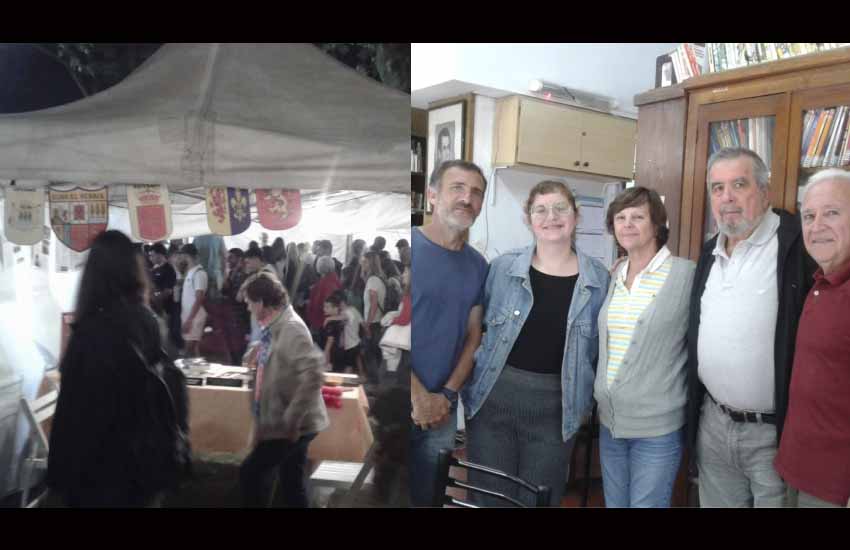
(745, 416)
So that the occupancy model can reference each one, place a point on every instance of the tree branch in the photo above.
(56, 58)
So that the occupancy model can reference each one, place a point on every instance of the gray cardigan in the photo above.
(648, 397)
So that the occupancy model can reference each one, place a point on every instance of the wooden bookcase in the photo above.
(675, 139)
(675, 125)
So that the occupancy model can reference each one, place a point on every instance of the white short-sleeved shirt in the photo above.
(351, 332)
(738, 315)
(196, 279)
(376, 284)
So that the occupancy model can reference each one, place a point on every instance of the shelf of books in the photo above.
(417, 180)
(824, 143)
(694, 59)
(755, 134)
(725, 56)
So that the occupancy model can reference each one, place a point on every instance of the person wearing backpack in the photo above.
(374, 303)
(193, 315)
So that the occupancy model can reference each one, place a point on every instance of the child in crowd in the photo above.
(341, 334)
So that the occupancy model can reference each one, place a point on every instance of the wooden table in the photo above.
(220, 421)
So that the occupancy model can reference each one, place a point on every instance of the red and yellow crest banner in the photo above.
(150, 212)
(79, 215)
(278, 208)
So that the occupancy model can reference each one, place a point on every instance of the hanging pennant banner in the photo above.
(228, 210)
(150, 212)
(79, 215)
(278, 208)
(24, 216)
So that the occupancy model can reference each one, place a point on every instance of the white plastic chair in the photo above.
(35, 465)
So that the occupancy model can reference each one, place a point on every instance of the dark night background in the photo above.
(38, 76)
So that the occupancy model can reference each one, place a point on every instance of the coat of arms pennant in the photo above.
(150, 212)
(278, 208)
(24, 215)
(228, 210)
(79, 215)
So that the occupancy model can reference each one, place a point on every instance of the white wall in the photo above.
(617, 70)
(500, 226)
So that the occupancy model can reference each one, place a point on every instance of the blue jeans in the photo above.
(425, 446)
(639, 472)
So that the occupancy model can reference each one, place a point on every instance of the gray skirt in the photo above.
(518, 431)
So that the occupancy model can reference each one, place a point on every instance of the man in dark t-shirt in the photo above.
(447, 285)
(162, 299)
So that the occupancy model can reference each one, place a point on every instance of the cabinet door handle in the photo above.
(577, 163)
(587, 164)
(584, 133)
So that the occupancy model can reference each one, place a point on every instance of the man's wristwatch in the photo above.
(450, 394)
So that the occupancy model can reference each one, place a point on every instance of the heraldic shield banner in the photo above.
(228, 210)
(150, 212)
(79, 215)
(24, 216)
(278, 208)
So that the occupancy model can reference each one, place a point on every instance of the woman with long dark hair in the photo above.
(114, 439)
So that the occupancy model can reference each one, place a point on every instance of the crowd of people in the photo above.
(120, 435)
(342, 305)
(737, 361)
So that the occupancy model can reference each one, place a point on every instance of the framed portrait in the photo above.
(446, 135)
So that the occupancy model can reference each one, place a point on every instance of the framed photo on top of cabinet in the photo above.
(446, 134)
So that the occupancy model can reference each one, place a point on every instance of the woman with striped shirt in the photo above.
(640, 379)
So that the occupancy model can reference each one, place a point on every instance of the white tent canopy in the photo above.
(241, 115)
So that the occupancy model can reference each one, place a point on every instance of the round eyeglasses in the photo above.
(560, 210)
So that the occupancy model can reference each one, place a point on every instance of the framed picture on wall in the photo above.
(446, 135)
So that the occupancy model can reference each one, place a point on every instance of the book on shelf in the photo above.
(816, 136)
(845, 155)
(665, 75)
(824, 138)
(677, 66)
(808, 120)
(833, 137)
(841, 134)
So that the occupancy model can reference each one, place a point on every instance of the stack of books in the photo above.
(684, 62)
(825, 142)
(725, 56)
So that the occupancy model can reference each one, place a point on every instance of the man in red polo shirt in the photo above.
(814, 454)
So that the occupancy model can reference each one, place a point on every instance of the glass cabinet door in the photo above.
(759, 124)
(755, 134)
(821, 122)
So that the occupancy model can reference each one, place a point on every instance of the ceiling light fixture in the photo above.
(555, 92)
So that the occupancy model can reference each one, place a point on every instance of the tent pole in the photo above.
(348, 242)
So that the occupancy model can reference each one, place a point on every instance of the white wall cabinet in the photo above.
(539, 133)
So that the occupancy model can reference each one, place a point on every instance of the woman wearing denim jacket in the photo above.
(640, 382)
(533, 376)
